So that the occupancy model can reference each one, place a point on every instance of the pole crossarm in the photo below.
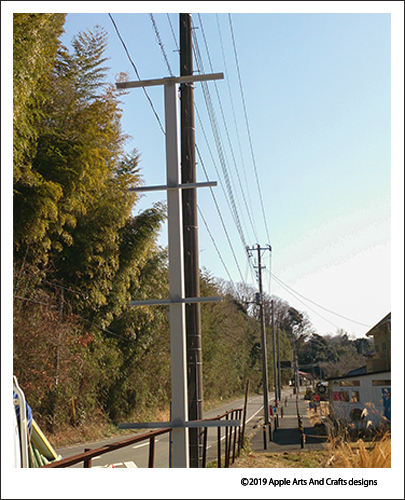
(178, 424)
(167, 302)
(190, 185)
(170, 80)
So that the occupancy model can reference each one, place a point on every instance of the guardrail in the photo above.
(233, 444)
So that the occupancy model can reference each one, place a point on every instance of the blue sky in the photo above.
(312, 128)
(317, 94)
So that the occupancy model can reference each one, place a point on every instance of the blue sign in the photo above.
(386, 395)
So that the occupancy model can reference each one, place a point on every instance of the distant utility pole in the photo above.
(278, 360)
(274, 354)
(263, 332)
(190, 238)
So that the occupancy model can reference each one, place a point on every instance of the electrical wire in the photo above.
(248, 128)
(160, 43)
(220, 216)
(296, 298)
(219, 146)
(206, 174)
(137, 73)
(213, 122)
(216, 247)
(235, 163)
(236, 126)
(318, 305)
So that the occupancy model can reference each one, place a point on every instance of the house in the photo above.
(363, 395)
(381, 333)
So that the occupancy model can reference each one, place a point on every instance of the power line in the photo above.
(218, 143)
(233, 208)
(248, 128)
(220, 215)
(318, 305)
(173, 35)
(203, 166)
(159, 41)
(216, 247)
(310, 308)
(235, 123)
(137, 73)
(242, 189)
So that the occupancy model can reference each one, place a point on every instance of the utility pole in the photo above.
(263, 336)
(278, 360)
(274, 357)
(190, 238)
(180, 422)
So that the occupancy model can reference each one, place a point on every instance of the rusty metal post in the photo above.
(151, 452)
(205, 438)
(264, 437)
(244, 413)
(219, 446)
(234, 438)
(226, 444)
(239, 416)
(87, 461)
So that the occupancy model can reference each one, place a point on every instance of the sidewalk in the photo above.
(287, 437)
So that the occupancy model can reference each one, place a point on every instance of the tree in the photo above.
(73, 225)
(35, 43)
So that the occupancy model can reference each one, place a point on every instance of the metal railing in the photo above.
(233, 444)
(234, 436)
(88, 454)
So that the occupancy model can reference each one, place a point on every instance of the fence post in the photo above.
(151, 452)
(87, 461)
(226, 443)
(205, 447)
(234, 436)
(244, 413)
(219, 446)
(239, 433)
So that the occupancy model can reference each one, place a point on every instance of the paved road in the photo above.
(137, 455)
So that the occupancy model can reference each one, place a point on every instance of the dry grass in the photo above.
(344, 454)
(286, 460)
(337, 453)
(322, 411)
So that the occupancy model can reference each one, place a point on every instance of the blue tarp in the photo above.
(28, 409)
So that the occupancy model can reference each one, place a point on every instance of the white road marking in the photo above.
(140, 445)
(130, 465)
(259, 410)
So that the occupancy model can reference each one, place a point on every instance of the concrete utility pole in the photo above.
(190, 237)
(263, 334)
